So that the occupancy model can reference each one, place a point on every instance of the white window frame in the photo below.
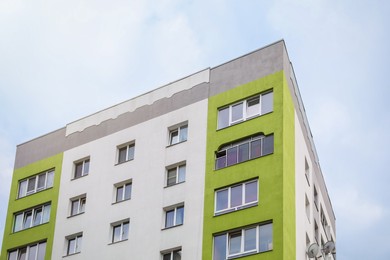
(78, 239)
(178, 177)
(173, 209)
(171, 253)
(81, 204)
(129, 156)
(244, 112)
(48, 183)
(85, 166)
(243, 198)
(242, 251)
(123, 186)
(27, 251)
(122, 236)
(33, 214)
(178, 129)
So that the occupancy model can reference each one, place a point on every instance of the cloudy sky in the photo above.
(62, 60)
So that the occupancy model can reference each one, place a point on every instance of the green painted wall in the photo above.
(37, 233)
(271, 169)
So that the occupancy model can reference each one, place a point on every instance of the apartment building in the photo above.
(217, 165)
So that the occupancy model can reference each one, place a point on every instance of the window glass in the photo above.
(174, 137)
(37, 217)
(31, 185)
(268, 145)
(116, 234)
(79, 241)
(221, 160)
(237, 112)
(125, 231)
(75, 207)
(267, 103)
(255, 149)
(22, 188)
(171, 177)
(13, 255)
(182, 173)
(32, 250)
(223, 118)
(86, 167)
(119, 193)
(265, 238)
(251, 192)
(253, 106)
(27, 219)
(22, 254)
(179, 215)
(236, 196)
(220, 247)
(41, 251)
(169, 218)
(50, 179)
(18, 222)
(243, 152)
(235, 243)
(122, 155)
(232, 156)
(130, 155)
(177, 255)
(78, 170)
(222, 200)
(41, 181)
(82, 205)
(250, 239)
(127, 191)
(183, 133)
(167, 256)
(46, 213)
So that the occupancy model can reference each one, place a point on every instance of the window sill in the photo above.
(247, 254)
(172, 227)
(117, 242)
(71, 254)
(117, 202)
(172, 185)
(75, 215)
(254, 204)
(170, 145)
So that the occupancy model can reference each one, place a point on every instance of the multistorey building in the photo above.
(218, 165)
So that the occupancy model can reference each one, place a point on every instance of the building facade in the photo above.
(218, 165)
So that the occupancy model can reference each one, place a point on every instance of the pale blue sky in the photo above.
(62, 60)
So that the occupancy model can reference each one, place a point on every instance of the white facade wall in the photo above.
(304, 187)
(147, 238)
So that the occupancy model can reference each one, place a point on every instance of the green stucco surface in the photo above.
(38, 233)
(275, 172)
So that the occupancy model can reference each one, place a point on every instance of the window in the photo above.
(242, 242)
(78, 205)
(315, 197)
(172, 255)
(120, 231)
(178, 135)
(126, 153)
(249, 148)
(36, 183)
(307, 205)
(174, 217)
(176, 175)
(316, 233)
(307, 172)
(246, 109)
(31, 217)
(81, 168)
(31, 252)
(123, 191)
(74, 244)
(324, 222)
(236, 197)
